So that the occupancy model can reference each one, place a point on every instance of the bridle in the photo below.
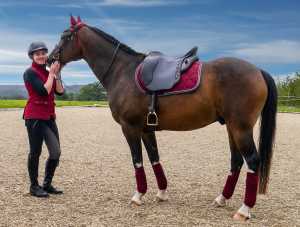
(71, 34)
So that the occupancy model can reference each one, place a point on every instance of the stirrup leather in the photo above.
(152, 118)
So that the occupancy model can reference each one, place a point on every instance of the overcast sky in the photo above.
(265, 33)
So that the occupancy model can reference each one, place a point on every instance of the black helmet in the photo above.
(35, 46)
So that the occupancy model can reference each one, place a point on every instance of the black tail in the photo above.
(267, 133)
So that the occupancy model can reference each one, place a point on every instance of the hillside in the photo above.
(8, 91)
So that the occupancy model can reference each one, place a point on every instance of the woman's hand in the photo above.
(54, 69)
(53, 72)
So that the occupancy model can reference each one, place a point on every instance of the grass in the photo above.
(59, 103)
(288, 109)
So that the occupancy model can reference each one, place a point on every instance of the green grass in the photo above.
(288, 109)
(59, 103)
(12, 103)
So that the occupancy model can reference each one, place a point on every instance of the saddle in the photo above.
(159, 72)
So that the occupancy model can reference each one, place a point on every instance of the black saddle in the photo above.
(161, 72)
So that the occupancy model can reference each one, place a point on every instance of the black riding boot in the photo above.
(49, 173)
(33, 169)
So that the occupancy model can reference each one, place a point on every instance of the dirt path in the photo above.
(98, 179)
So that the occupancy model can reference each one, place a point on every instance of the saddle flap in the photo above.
(162, 73)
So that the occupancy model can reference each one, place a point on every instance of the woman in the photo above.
(39, 115)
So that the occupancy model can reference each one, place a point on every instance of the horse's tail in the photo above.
(267, 132)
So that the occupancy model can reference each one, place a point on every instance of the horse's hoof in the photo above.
(217, 204)
(162, 195)
(136, 202)
(137, 199)
(240, 217)
(220, 201)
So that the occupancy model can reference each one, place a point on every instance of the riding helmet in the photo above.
(35, 46)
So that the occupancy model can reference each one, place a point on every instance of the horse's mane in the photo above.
(114, 41)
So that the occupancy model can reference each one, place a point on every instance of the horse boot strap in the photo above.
(152, 118)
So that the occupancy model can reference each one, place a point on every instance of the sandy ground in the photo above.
(98, 179)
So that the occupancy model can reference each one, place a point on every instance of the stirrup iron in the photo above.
(152, 119)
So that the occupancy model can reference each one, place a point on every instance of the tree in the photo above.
(289, 91)
(92, 92)
(65, 96)
(290, 86)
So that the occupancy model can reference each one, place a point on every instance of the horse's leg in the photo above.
(245, 143)
(133, 137)
(232, 178)
(150, 143)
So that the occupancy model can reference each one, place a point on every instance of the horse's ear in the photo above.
(72, 21)
(78, 19)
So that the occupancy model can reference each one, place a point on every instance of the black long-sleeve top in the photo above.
(37, 84)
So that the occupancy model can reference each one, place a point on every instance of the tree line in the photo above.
(289, 91)
(90, 92)
(287, 87)
(290, 86)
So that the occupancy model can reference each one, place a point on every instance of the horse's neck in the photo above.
(99, 54)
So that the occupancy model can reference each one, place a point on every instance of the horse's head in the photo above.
(68, 49)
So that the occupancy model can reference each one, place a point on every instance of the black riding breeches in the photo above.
(43, 130)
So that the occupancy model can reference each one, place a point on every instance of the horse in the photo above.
(232, 91)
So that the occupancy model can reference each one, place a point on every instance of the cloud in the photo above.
(80, 4)
(71, 71)
(141, 3)
(279, 51)
(125, 3)
(14, 59)
(14, 49)
(77, 70)
(172, 35)
(70, 5)
(103, 3)
(267, 16)
(12, 56)
(142, 36)
(12, 69)
(27, 3)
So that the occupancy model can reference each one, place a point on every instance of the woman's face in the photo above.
(40, 57)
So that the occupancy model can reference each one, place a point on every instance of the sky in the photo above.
(265, 33)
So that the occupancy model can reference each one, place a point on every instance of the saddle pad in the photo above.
(188, 82)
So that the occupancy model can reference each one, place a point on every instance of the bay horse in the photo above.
(232, 91)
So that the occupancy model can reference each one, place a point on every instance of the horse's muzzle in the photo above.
(52, 58)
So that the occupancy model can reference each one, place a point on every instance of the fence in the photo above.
(289, 101)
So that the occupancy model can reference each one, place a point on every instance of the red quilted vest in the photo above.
(39, 107)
